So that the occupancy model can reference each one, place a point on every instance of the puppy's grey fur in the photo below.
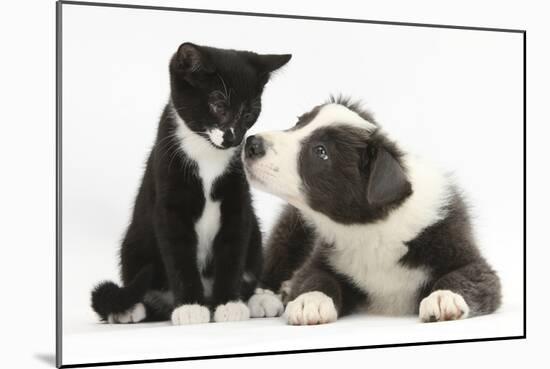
(368, 226)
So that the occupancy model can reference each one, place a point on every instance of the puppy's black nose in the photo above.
(254, 147)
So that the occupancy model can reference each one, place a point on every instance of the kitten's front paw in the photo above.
(443, 305)
(134, 315)
(265, 304)
(311, 308)
(190, 314)
(232, 311)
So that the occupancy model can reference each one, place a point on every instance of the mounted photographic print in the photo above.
(234, 184)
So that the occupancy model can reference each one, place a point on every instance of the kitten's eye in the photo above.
(218, 107)
(321, 152)
(248, 117)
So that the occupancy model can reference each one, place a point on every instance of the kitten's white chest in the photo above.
(208, 224)
(210, 164)
(206, 228)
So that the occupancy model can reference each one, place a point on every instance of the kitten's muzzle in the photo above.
(254, 147)
(229, 139)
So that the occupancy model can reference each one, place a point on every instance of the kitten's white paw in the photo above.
(265, 304)
(134, 315)
(232, 311)
(311, 308)
(443, 305)
(190, 314)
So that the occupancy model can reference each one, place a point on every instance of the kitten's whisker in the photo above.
(168, 152)
(174, 155)
(170, 147)
(227, 95)
(164, 140)
(178, 109)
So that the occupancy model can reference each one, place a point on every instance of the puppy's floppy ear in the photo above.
(387, 182)
(191, 58)
(267, 63)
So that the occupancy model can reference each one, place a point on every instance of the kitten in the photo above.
(194, 244)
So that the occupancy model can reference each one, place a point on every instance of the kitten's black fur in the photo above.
(210, 89)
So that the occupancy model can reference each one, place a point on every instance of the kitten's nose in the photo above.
(254, 147)
(230, 139)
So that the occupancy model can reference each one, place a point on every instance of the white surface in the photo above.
(445, 94)
(30, 232)
(92, 342)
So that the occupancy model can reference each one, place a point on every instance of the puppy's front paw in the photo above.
(190, 314)
(134, 315)
(265, 304)
(311, 308)
(443, 305)
(232, 311)
(286, 289)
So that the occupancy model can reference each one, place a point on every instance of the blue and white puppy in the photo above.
(368, 226)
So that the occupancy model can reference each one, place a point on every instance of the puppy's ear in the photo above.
(387, 182)
(191, 58)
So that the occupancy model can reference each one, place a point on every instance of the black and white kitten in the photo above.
(194, 245)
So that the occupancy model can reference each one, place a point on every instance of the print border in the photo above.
(58, 110)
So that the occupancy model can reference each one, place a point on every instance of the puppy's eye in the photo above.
(321, 152)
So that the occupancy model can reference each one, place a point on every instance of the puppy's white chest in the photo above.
(374, 267)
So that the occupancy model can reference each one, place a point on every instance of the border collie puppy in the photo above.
(369, 227)
(193, 244)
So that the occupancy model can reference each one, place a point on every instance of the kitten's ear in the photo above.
(387, 181)
(267, 63)
(191, 58)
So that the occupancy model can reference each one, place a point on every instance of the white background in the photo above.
(30, 198)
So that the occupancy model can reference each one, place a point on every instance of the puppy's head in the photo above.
(334, 161)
